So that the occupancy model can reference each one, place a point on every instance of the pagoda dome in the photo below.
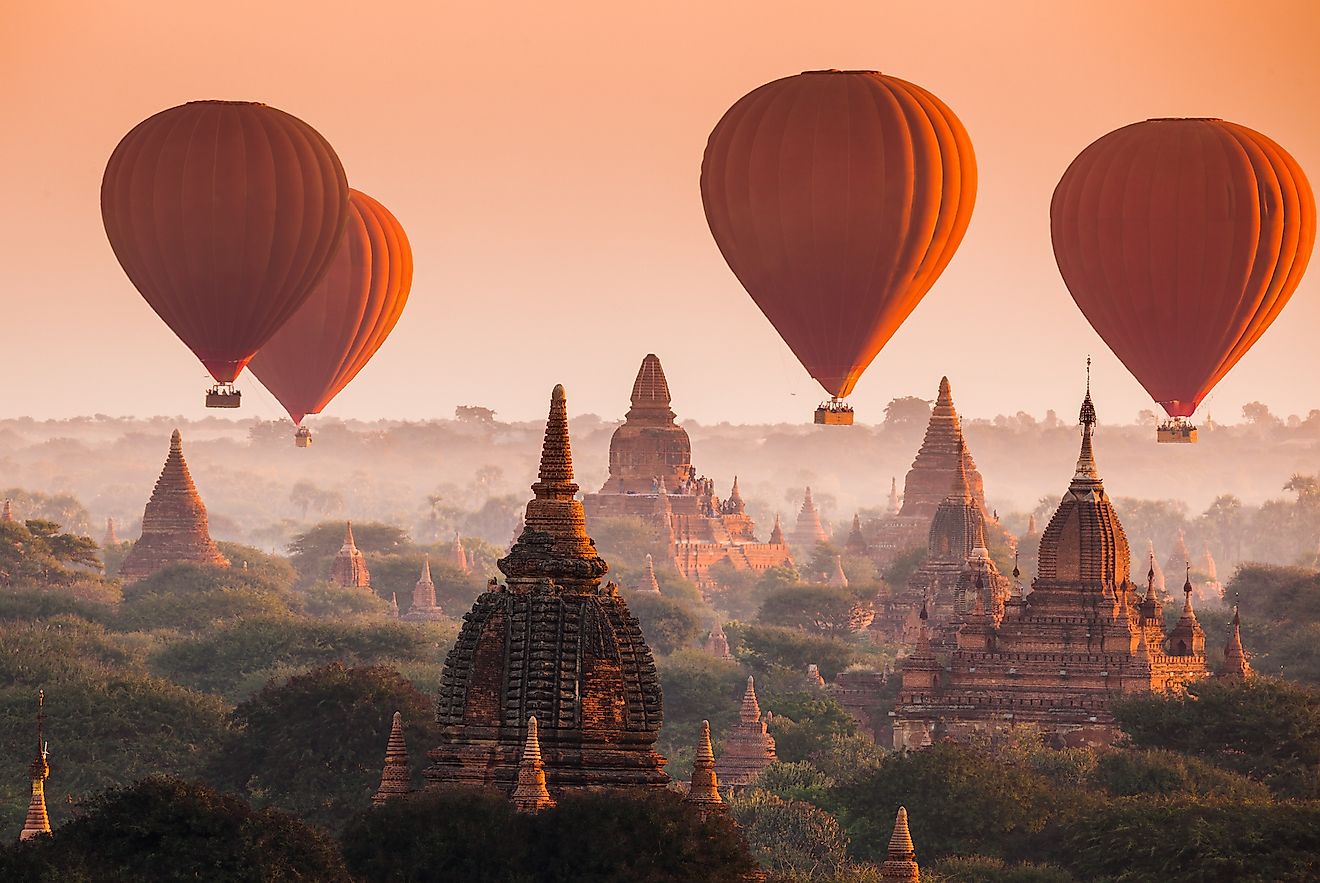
(649, 449)
(1084, 541)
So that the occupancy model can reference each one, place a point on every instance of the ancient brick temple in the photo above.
(901, 861)
(555, 643)
(424, 607)
(349, 569)
(928, 482)
(1059, 655)
(652, 478)
(395, 777)
(174, 525)
(750, 748)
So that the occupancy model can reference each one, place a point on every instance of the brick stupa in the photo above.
(555, 643)
(174, 525)
(750, 748)
(37, 821)
(349, 569)
(901, 862)
(652, 478)
(1082, 638)
(424, 607)
(395, 778)
(704, 788)
(808, 533)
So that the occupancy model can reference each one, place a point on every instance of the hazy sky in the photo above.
(544, 159)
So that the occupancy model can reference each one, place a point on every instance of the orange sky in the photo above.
(544, 159)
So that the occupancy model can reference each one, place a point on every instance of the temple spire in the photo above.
(1236, 666)
(394, 605)
(649, 582)
(838, 579)
(777, 533)
(349, 569)
(395, 778)
(1087, 475)
(901, 862)
(530, 793)
(736, 503)
(650, 390)
(37, 821)
(893, 496)
(704, 789)
(7, 513)
(111, 537)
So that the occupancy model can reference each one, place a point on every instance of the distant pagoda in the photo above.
(395, 778)
(808, 533)
(901, 861)
(554, 643)
(649, 582)
(717, 643)
(1236, 666)
(111, 538)
(749, 748)
(530, 793)
(349, 569)
(37, 821)
(649, 448)
(704, 788)
(458, 556)
(174, 525)
(424, 606)
(7, 512)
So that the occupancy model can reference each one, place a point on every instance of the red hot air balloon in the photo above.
(1181, 240)
(345, 320)
(224, 214)
(837, 199)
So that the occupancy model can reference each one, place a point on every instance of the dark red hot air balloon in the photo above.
(224, 214)
(1181, 240)
(346, 318)
(837, 199)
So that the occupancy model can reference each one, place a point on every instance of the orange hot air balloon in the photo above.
(1181, 240)
(347, 317)
(837, 199)
(224, 214)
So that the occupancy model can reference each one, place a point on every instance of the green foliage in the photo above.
(697, 687)
(791, 837)
(191, 597)
(60, 508)
(1192, 842)
(1280, 619)
(625, 541)
(313, 551)
(795, 781)
(969, 803)
(806, 723)
(219, 661)
(166, 830)
(821, 610)
(766, 648)
(1266, 729)
(905, 564)
(474, 835)
(822, 561)
(1133, 772)
(988, 869)
(667, 624)
(271, 570)
(314, 745)
(36, 553)
(329, 600)
(45, 603)
(397, 574)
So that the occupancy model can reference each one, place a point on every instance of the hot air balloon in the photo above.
(1181, 240)
(345, 320)
(837, 198)
(224, 214)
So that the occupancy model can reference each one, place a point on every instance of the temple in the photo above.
(530, 793)
(7, 512)
(750, 748)
(943, 451)
(349, 569)
(901, 862)
(1059, 655)
(395, 778)
(424, 607)
(649, 583)
(1236, 667)
(704, 789)
(111, 538)
(37, 821)
(554, 643)
(808, 532)
(652, 478)
(717, 643)
(174, 525)
(458, 556)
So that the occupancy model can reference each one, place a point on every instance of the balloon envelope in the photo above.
(347, 317)
(224, 214)
(837, 198)
(1181, 240)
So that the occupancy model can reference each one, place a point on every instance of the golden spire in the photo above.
(37, 821)
(395, 778)
(901, 863)
(1236, 666)
(751, 709)
(704, 790)
(530, 793)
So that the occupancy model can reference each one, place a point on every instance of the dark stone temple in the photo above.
(554, 643)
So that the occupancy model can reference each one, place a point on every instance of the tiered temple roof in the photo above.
(1081, 638)
(704, 789)
(424, 606)
(808, 533)
(349, 568)
(174, 525)
(901, 862)
(942, 451)
(649, 446)
(395, 778)
(554, 643)
(750, 748)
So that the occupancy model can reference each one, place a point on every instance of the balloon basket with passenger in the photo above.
(303, 437)
(834, 413)
(1176, 431)
(223, 395)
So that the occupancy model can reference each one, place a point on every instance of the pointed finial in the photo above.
(348, 534)
(945, 396)
(704, 788)
(176, 441)
(751, 708)
(901, 861)
(426, 569)
(395, 778)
